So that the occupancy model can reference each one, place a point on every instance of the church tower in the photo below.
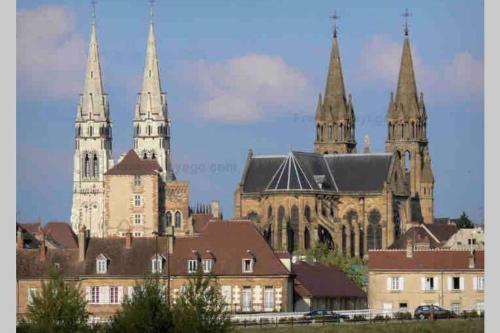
(93, 148)
(151, 123)
(407, 135)
(335, 121)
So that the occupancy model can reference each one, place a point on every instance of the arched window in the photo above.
(138, 130)
(95, 167)
(86, 166)
(374, 230)
(341, 132)
(91, 131)
(318, 137)
(330, 132)
(178, 219)
(307, 239)
(402, 131)
(351, 216)
(344, 240)
(294, 219)
(281, 222)
(307, 213)
(168, 219)
(407, 161)
(149, 129)
(78, 131)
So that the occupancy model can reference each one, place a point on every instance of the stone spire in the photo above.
(335, 92)
(151, 100)
(406, 93)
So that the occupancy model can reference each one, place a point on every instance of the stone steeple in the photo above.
(407, 135)
(151, 123)
(93, 147)
(335, 120)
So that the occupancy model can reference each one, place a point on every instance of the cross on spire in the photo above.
(335, 17)
(406, 14)
(92, 3)
(151, 14)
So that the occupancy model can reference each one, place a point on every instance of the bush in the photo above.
(378, 318)
(403, 315)
(358, 318)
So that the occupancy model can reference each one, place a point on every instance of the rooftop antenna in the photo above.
(335, 17)
(406, 14)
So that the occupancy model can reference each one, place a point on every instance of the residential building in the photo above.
(466, 239)
(426, 236)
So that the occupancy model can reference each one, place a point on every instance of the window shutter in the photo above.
(130, 292)
(104, 295)
(422, 283)
(450, 283)
(436, 283)
(88, 297)
(401, 283)
(388, 283)
(120, 294)
(462, 283)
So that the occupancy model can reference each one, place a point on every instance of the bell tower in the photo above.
(335, 120)
(407, 135)
(93, 147)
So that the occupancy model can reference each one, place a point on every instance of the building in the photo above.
(320, 286)
(466, 239)
(354, 202)
(251, 276)
(426, 236)
(400, 280)
(56, 235)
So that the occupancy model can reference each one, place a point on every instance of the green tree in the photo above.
(146, 311)
(200, 307)
(464, 222)
(59, 307)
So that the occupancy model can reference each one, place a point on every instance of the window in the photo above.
(169, 219)
(101, 264)
(480, 283)
(395, 283)
(178, 219)
(137, 181)
(247, 265)
(137, 218)
(246, 301)
(456, 283)
(429, 283)
(192, 266)
(94, 295)
(226, 294)
(31, 295)
(269, 299)
(403, 306)
(137, 200)
(113, 295)
(137, 233)
(208, 265)
(157, 264)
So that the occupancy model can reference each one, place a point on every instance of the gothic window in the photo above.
(307, 213)
(330, 132)
(351, 216)
(149, 129)
(407, 161)
(78, 131)
(307, 239)
(389, 131)
(341, 132)
(353, 242)
(137, 130)
(178, 219)
(86, 166)
(374, 230)
(294, 219)
(402, 131)
(281, 219)
(169, 219)
(95, 167)
(344, 240)
(317, 133)
(269, 212)
(91, 131)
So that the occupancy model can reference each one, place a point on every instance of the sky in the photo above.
(243, 75)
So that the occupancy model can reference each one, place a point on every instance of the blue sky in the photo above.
(246, 74)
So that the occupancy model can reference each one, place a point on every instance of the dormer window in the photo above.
(157, 263)
(208, 265)
(247, 265)
(101, 264)
(192, 266)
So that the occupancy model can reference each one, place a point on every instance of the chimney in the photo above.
(20, 239)
(472, 263)
(215, 208)
(82, 240)
(42, 250)
(128, 240)
(409, 249)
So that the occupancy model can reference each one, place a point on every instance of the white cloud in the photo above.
(247, 88)
(458, 79)
(51, 55)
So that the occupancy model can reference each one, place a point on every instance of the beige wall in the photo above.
(379, 297)
(120, 208)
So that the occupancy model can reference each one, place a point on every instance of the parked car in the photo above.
(424, 312)
(326, 315)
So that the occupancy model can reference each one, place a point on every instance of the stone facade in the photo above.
(177, 212)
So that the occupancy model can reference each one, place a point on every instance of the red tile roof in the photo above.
(61, 233)
(322, 280)
(131, 164)
(200, 221)
(441, 260)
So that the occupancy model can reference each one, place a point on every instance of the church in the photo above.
(350, 201)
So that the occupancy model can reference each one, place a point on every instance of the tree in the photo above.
(464, 222)
(146, 311)
(60, 307)
(200, 307)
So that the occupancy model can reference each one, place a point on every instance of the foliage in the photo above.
(464, 222)
(147, 311)
(59, 307)
(355, 268)
(200, 307)
(403, 315)
(358, 318)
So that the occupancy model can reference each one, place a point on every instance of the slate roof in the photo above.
(300, 171)
(322, 280)
(131, 164)
(228, 243)
(432, 260)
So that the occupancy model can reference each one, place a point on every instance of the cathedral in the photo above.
(130, 196)
(350, 201)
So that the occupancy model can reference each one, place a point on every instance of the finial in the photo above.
(151, 14)
(335, 17)
(92, 3)
(406, 14)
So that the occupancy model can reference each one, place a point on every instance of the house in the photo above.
(426, 236)
(466, 239)
(401, 280)
(320, 286)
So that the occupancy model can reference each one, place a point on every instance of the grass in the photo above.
(440, 326)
